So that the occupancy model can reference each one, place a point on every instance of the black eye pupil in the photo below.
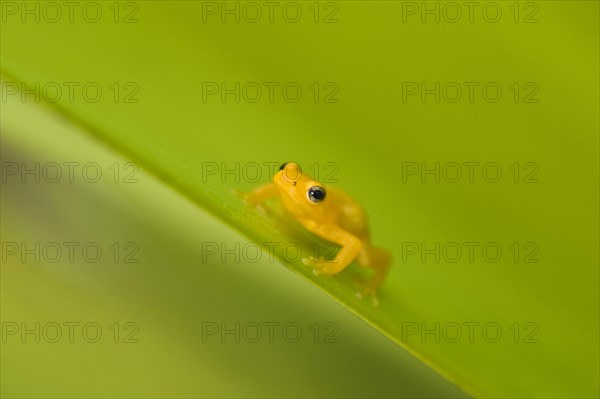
(282, 166)
(316, 194)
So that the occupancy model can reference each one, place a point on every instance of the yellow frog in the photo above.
(330, 214)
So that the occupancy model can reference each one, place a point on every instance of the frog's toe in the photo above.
(368, 291)
(308, 261)
(324, 271)
(238, 193)
(313, 262)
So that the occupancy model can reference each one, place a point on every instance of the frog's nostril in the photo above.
(282, 166)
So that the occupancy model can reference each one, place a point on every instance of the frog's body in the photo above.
(332, 215)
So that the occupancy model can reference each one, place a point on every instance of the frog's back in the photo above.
(350, 214)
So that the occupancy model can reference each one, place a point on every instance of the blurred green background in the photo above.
(169, 293)
(365, 114)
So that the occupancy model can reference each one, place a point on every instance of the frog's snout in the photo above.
(290, 173)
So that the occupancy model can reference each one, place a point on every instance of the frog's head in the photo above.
(298, 187)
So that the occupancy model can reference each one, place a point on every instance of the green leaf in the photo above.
(197, 321)
(526, 317)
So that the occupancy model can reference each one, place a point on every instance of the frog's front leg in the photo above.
(261, 194)
(350, 244)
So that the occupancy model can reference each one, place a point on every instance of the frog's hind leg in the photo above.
(380, 261)
(351, 247)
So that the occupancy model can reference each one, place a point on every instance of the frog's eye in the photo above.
(316, 193)
(282, 167)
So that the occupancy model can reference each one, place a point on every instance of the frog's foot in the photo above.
(246, 197)
(249, 201)
(367, 290)
(238, 193)
(319, 266)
